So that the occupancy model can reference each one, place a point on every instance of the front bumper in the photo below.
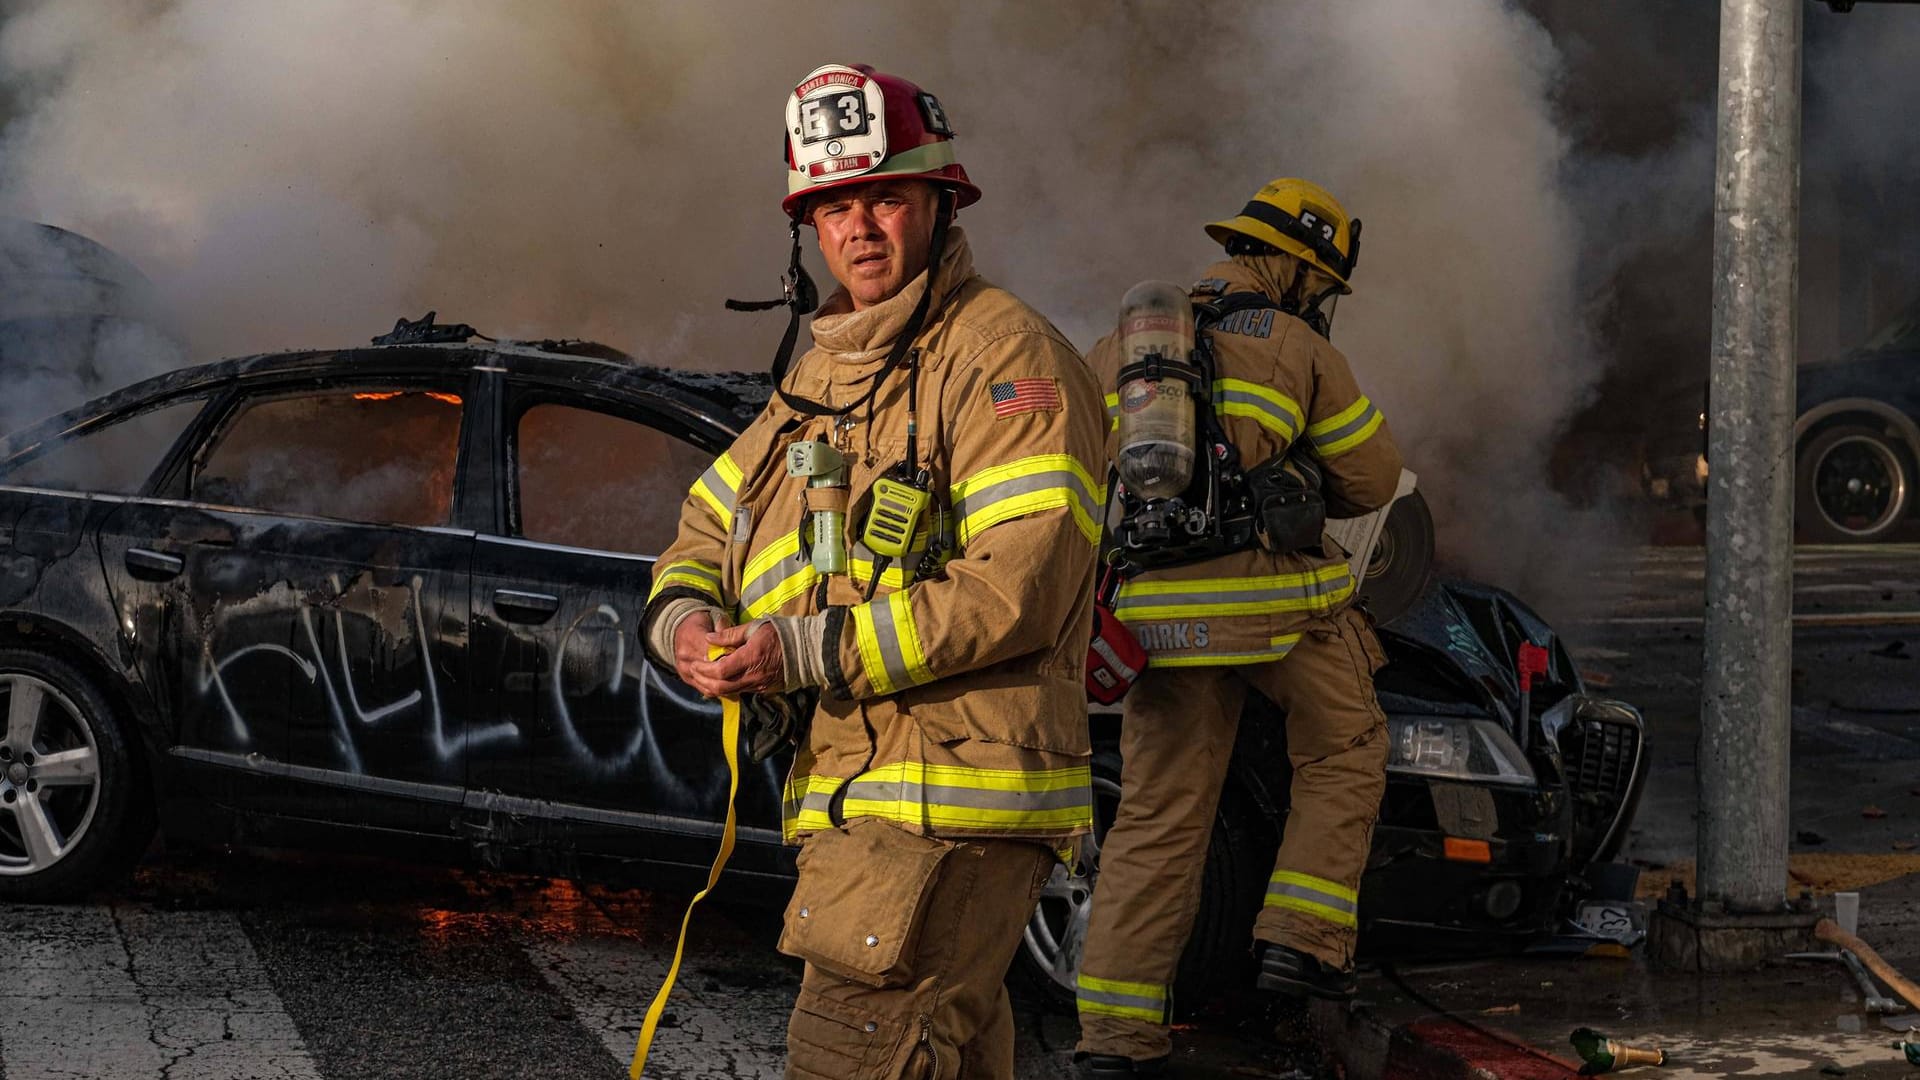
(1420, 895)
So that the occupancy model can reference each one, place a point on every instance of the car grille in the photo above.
(1600, 761)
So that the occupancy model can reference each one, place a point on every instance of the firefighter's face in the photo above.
(875, 237)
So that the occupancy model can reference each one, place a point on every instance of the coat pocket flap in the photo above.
(857, 908)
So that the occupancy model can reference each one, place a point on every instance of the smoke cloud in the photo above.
(301, 175)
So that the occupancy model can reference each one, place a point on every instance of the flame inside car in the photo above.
(389, 395)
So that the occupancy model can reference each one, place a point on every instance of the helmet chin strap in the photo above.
(801, 298)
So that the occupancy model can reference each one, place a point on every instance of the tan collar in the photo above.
(1265, 274)
(860, 337)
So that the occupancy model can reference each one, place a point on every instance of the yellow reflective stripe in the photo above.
(1113, 997)
(1333, 889)
(1280, 647)
(889, 643)
(953, 797)
(775, 575)
(1317, 590)
(1345, 429)
(1340, 419)
(718, 486)
(689, 573)
(1270, 407)
(1342, 445)
(1318, 911)
(1113, 412)
(861, 570)
(1027, 486)
(1156, 991)
(1316, 896)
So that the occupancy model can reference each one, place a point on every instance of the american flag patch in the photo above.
(1024, 396)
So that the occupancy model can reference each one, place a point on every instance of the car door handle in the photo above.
(525, 607)
(153, 565)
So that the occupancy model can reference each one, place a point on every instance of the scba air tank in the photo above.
(1157, 382)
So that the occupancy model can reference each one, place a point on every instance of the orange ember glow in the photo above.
(389, 395)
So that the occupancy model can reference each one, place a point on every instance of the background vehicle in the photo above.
(1856, 440)
(386, 599)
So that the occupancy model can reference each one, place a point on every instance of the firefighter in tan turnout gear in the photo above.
(909, 528)
(1280, 624)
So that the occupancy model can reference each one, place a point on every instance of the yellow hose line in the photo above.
(730, 744)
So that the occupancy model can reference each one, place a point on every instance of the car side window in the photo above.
(384, 455)
(590, 479)
(115, 459)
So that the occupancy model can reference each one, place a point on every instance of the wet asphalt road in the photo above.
(230, 965)
(1856, 691)
(215, 966)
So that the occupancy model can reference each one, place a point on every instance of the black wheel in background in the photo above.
(1853, 484)
(1402, 560)
(75, 810)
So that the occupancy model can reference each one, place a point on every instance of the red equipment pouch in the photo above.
(1115, 658)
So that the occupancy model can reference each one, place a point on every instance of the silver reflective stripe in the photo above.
(976, 501)
(1125, 1001)
(717, 483)
(693, 569)
(1112, 658)
(1302, 591)
(898, 572)
(971, 798)
(1312, 895)
(886, 637)
(818, 800)
(772, 578)
(1281, 418)
(1329, 438)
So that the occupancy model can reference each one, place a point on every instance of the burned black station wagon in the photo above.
(387, 599)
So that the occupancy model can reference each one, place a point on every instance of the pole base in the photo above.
(1692, 936)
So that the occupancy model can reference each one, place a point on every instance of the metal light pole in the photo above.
(1745, 720)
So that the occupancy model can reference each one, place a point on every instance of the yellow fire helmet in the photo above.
(1303, 220)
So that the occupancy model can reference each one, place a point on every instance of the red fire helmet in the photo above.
(849, 124)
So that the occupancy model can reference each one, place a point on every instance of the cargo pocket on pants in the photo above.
(857, 908)
(832, 1040)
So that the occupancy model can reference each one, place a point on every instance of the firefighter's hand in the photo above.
(753, 667)
(690, 644)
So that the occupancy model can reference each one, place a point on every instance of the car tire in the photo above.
(63, 835)
(1218, 955)
(1853, 484)
(1402, 561)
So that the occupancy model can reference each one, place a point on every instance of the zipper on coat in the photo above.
(926, 1042)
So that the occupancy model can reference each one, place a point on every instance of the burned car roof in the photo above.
(737, 395)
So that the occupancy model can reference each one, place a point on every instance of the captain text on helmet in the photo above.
(900, 551)
(1231, 585)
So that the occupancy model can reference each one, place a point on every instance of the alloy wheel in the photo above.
(1859, 485)
(49, 775)
(1056, 935)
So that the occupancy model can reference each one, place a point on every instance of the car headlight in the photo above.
(1457, 750)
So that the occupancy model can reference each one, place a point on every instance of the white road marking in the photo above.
(126, 992)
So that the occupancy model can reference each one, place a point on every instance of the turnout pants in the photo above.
(958, 911)
(1175, 742)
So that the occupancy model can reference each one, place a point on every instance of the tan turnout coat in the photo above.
(1275, 381)
(955, 703)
